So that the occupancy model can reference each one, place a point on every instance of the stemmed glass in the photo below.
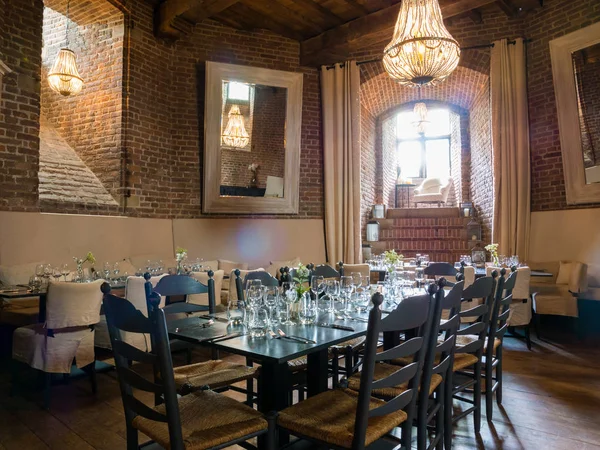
(116, 271)
(64, 270)
(106, 271)
(332, 287)
(271, 299)
(39, 272)
(346, 287)
(47, 273)
(56, 273)
(290, 296)
(317, 287)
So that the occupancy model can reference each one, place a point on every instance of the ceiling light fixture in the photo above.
(422, 50)
(64, 77)
(235, 134)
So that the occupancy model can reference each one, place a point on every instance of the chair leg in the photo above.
(249, 385)
(477, 397)
(93, 378)
(439, 417)
(422, 425)
(47, 387)
(14, 377)
(528, 337)
(499, 375)
(132, 438)
(489, 393)
(536, 323)
(448, 410)
(348, 361)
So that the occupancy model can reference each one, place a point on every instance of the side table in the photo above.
(406, 188)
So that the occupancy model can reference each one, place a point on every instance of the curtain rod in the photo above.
(472, 47)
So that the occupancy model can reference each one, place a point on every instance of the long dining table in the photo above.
(272, 354)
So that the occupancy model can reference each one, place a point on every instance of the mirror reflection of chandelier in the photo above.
(235, 134)
(420, 114)
(422, 50)
(64, 77)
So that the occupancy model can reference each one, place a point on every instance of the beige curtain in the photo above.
(340, 91)
(510, 140)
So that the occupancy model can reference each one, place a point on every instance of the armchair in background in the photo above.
(433, 190)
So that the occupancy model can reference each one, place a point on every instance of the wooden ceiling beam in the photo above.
(315, 8)
(273, 10)
(359, 8)
(369, 30)
(168, 14)
(209, 8)
(259, 21)
(507, 7)
(475, 16)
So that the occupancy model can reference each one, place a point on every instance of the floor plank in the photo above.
(551, 401)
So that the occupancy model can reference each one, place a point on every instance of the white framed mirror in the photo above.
(252, 129)
(575, 69)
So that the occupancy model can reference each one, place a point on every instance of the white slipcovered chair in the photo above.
(363, 269)
(557, 295)
(72, 309)
(433, 190)
(136, 294)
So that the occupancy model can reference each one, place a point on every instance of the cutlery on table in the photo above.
(198, 325)
(226, 337)
(273, 335)
(337, 327)
(359, 319)
(218, 319)
(295, 338)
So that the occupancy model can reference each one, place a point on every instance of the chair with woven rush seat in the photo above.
(200, 420)
(171, 286)
(436, 367)
(324, 270)
(345, 419)
(469, 356)
(215, 373)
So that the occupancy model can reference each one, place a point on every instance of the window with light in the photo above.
(423, 143)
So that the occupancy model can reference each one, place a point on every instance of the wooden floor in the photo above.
(551, 401)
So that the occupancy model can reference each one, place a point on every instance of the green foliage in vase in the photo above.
(392, 258)
(301, 279)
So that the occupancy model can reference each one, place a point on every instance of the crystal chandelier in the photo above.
(64, 77)
(235, 134)
(420, 113)
(422, 50)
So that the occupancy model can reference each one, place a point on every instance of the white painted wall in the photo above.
(56, 238)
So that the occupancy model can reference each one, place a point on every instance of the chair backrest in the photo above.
(410, 315)
(479, 315)
(265, 277)
(501, 308)
(73, 304)
(182, 285)
(440, 269)
(204, 278)
(347, 269)
(325, 271)
(135, 292)
(122, 316)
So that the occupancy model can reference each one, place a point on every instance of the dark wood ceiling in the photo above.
(327, 29)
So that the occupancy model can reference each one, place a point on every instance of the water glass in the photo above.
(332, 289)
(35, 283)
(290, 296)
(308, 309)
(64, 270)
(254, 295)
(258, 321)
(56, 273)
(271, 300)
(236, 312)
(346, 288)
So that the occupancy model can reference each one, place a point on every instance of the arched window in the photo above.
(423, 154)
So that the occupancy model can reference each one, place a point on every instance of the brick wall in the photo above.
(267, 141)
(482, 185)
(555, 19)
(21, 50)
(368, 166)
(90, 121)
(162, 135)
(387, 128)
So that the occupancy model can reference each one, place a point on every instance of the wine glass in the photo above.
(317, 287)
(106, 271)
(346, 287)
(271, 299)
(288, 289)
(56, 273)
(39, 270)
(64, 270)
(116, 271)
(332, 287)
(308, 309)
(48, 273)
